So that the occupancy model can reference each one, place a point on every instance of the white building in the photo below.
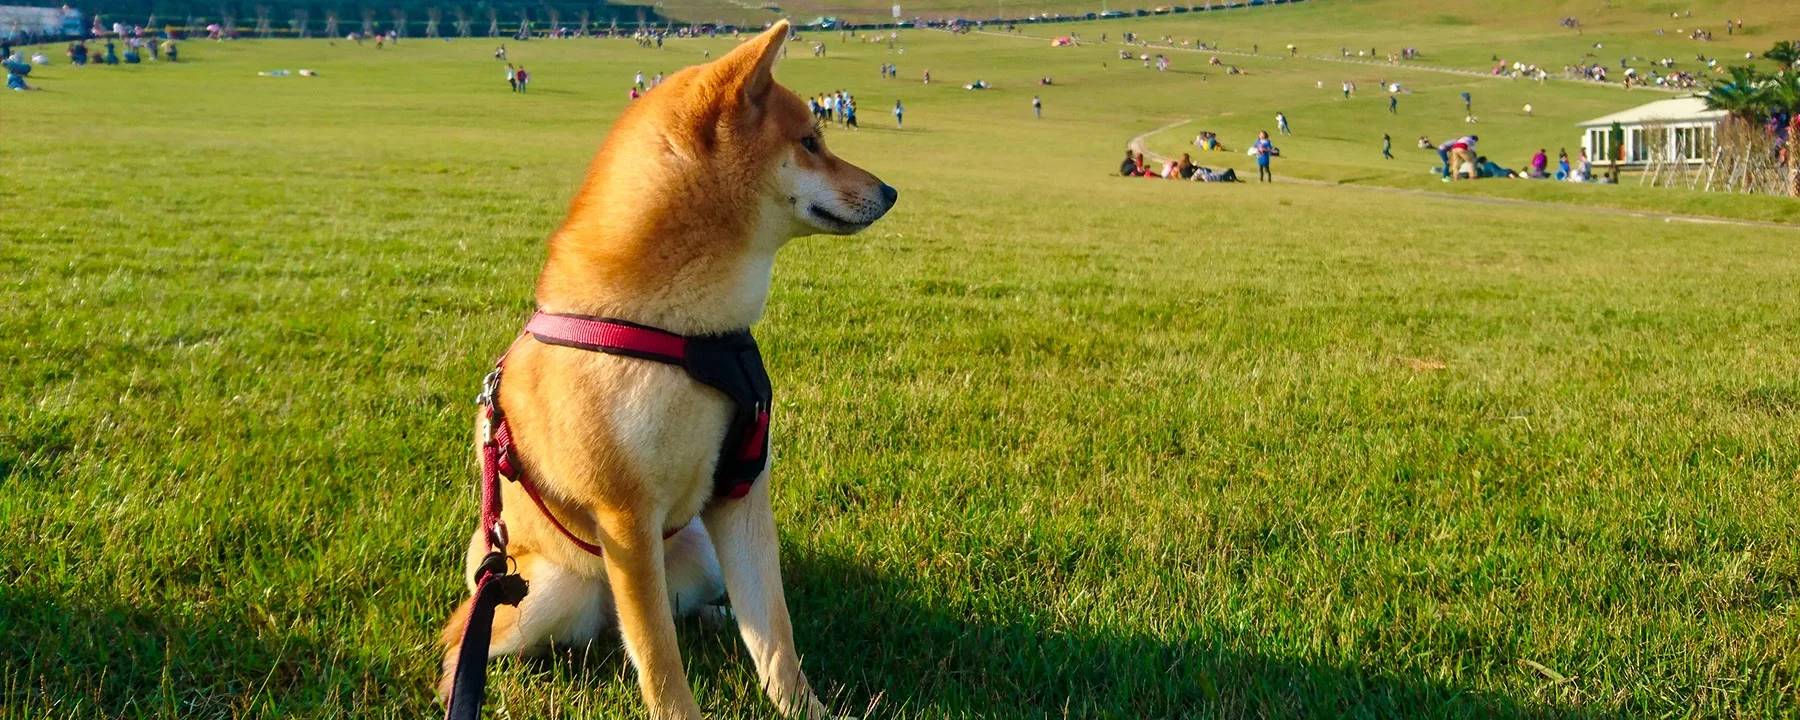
(20, 21)
(1682, 127)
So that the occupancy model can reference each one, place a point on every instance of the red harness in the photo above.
(729, 363)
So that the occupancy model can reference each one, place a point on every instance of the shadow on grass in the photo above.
(78, 658)
(869, 634)
(866, 636)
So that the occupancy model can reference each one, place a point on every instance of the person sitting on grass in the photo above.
(1185, 168)
(1143, 168)
(1584, 169)
(1208, 140)
(1130, 167)
(15, 80)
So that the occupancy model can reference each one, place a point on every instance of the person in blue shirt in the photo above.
(15, 76)
(1264, 151)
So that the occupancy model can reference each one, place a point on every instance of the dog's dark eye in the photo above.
(810, 143)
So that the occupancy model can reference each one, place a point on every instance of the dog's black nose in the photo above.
(889, 194)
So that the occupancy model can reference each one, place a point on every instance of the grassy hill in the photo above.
(1051, 442)
(1329, 24)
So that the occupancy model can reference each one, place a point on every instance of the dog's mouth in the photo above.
(833, 221)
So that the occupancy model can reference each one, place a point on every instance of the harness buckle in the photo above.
(490, 389)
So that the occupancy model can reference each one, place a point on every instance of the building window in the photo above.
(1637, 145)
(1597, 145)
(1693, 143)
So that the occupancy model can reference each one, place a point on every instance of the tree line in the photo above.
(410, 18)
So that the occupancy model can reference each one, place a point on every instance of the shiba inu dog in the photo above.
(697, 186)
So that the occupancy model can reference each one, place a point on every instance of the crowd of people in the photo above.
(1462, 162)
(140, 46)
(1262, 149)
(1134, 165)
(840, 107)
(137, 50)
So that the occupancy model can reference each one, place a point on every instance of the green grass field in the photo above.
(1051, 443)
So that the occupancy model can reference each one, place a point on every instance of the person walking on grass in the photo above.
(899, 115)
(1387, 146)
(524, 79)
(1037, 107)
(512, 77)
(1281, 124)
(1264, 151)
(1393, 105)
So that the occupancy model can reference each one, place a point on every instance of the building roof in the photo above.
(1681, 109)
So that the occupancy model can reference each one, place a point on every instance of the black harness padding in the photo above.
(730, 363)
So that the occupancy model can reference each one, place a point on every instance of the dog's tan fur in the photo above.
(697, 186)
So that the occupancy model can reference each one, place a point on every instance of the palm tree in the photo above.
(1741, 95)
(1785, 54)
(1780, 94)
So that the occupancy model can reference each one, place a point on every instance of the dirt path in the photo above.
(1137, 145)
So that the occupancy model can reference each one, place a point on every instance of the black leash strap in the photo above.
(469, 686)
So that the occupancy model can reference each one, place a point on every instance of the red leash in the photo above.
(730, 363)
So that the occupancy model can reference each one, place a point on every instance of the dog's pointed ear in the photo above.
(747, 73)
